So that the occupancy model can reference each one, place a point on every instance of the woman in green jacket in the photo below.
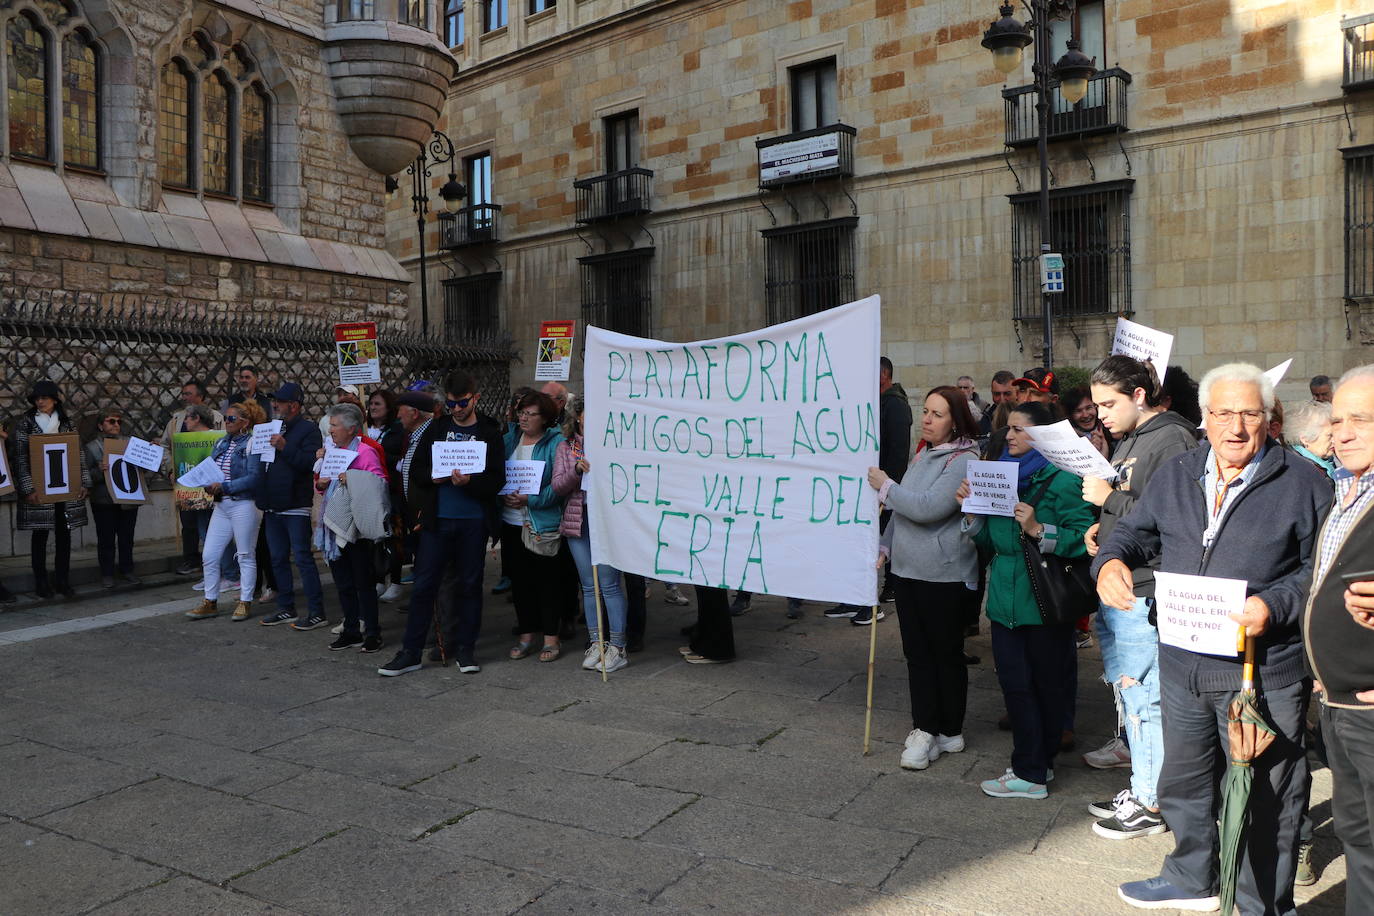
(1032, 657)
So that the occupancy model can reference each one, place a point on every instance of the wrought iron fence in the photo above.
(138, 360)
(1358, 72)
(1101, 111)
(628, 192)
(808, 155)
(479, 224)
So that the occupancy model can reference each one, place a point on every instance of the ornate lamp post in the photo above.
(439, 151)
(1007, 38)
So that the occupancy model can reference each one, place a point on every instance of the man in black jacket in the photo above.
(1337, 629)
(285, 494)
(456, 513)
(1242, 508)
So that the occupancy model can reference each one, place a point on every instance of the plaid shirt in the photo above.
(1342, 518)
(410, 454)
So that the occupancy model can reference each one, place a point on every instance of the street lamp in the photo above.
(1007, 38)
(439, 151)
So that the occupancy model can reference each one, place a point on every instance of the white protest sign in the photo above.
(6, 478)
(992, 488)
(466, 457)
(336, 461)
(143, 454)
(1276, 374)
(56, 458)
(123, 481)
(1142, 343)
(740, 462)
(261, 442)
(1192, 612)
(202, 475)
(524, 477)
(1064, 448)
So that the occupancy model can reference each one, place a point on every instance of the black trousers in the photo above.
(1195, 757)
(535, 584)
(1031, 669)
(62, 550)
(357, 584)
(1349, 736)
(114, 532)
(638, 612)
(191, 522)
(932, 624)
(714, 633)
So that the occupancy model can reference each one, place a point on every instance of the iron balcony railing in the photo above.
(1101, 111)
(614, 195)
(1358, 72)
(807, 155)
(479, 224)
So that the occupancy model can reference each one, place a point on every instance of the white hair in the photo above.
(1237, 372)
(1359, 372)
(348, 413)
(1306, 420)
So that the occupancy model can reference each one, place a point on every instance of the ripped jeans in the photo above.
(1130, 651)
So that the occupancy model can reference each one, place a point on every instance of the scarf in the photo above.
(49, 423)
(1029, 464)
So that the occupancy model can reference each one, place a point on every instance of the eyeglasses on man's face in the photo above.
(460, 402)
(529, 414)
(1225, 416)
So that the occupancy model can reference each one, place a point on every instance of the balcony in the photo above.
(808, 155)
(614, 195)
(476, 225)
(1102, 110)
(1358, 72)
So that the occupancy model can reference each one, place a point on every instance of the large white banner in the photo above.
(739, 462)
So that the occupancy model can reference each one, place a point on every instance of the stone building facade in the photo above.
(1212, 183)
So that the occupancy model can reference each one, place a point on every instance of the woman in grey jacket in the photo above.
(933, 564)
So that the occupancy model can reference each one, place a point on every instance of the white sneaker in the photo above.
(615, 659)
(267, 595)
(1113, 754)
(949, 744)
(393, 591)
(199, 586)
(229, 585)
(380, 588)
(591, 657)
(337, 630)
(920, 750)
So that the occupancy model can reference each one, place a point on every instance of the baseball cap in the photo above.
(1040, 379)
(351, 389)
(289, 391)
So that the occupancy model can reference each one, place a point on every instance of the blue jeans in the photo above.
(617, 610)
(1032, 669)
(288, 539)
(1130, 649)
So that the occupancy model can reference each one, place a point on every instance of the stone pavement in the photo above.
(154, 765)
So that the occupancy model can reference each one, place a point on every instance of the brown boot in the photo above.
(205, 610)
(241, 611)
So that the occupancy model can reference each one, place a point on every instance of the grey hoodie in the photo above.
(1136, 459)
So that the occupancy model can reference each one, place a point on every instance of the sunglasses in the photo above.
(114, 420)
(232, 418)
(461, 402)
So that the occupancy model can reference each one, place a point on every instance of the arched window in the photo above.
(80, 102)
(217, 134)
(27, 78)
(174, 142)
(256, 132)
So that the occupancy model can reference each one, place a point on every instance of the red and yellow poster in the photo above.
(357, 348)
(554, 363)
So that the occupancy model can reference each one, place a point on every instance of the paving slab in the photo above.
(52, 723)
(547, 740)
(666, 723)
(614, 806)
(224, 724)
(568, 899)
(151, 820)
(831, 748)
(183, 896)
(732, 889)
(339, 877)
(43, 872)
(808, 682)
(627, 867)
(833, 718)
(202, 764)
(737, 774)
(363, 803)
(344, 750)
(387, 712)
(39, 779)
(811, 846)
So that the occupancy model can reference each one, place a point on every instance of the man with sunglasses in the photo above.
(455, 514)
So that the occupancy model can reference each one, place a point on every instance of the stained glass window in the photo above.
(216, 136)
(80, 102)
(257, 132)
(56, 11)
(239, 63)
(28, 88)
(174, 127)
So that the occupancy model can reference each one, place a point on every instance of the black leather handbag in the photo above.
(1063, 587)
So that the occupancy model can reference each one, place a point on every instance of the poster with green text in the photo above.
(189, 450)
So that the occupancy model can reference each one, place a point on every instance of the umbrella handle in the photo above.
(1247, 676)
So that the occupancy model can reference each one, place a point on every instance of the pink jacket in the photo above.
(568, 483)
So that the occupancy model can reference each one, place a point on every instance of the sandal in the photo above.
(521, 650)
(550, 653)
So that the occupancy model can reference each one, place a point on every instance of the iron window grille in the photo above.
(617, 291)
(1358, 71)
(810, 268)
(1359, 222)
(807, 155)
(628, 192)
(1091, 227)
(1101, 111)
(479, 224)
(472, 313)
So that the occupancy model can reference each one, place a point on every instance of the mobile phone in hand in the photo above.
(1353, 577)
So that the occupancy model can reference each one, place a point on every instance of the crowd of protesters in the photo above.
(1210, 480)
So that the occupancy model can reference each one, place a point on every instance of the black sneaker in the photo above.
(312, 622)
(739, 606)
(887, 595)
(467, 662)
(1132, 819)
(6, 596)
(371, 644)
(842, 610)
(187, 569)
(403, 663)
(346, 641)
(279, 617)
(1108, 808)
(865, 617)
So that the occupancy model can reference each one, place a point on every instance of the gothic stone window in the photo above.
(52, 76)
(214, 122)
